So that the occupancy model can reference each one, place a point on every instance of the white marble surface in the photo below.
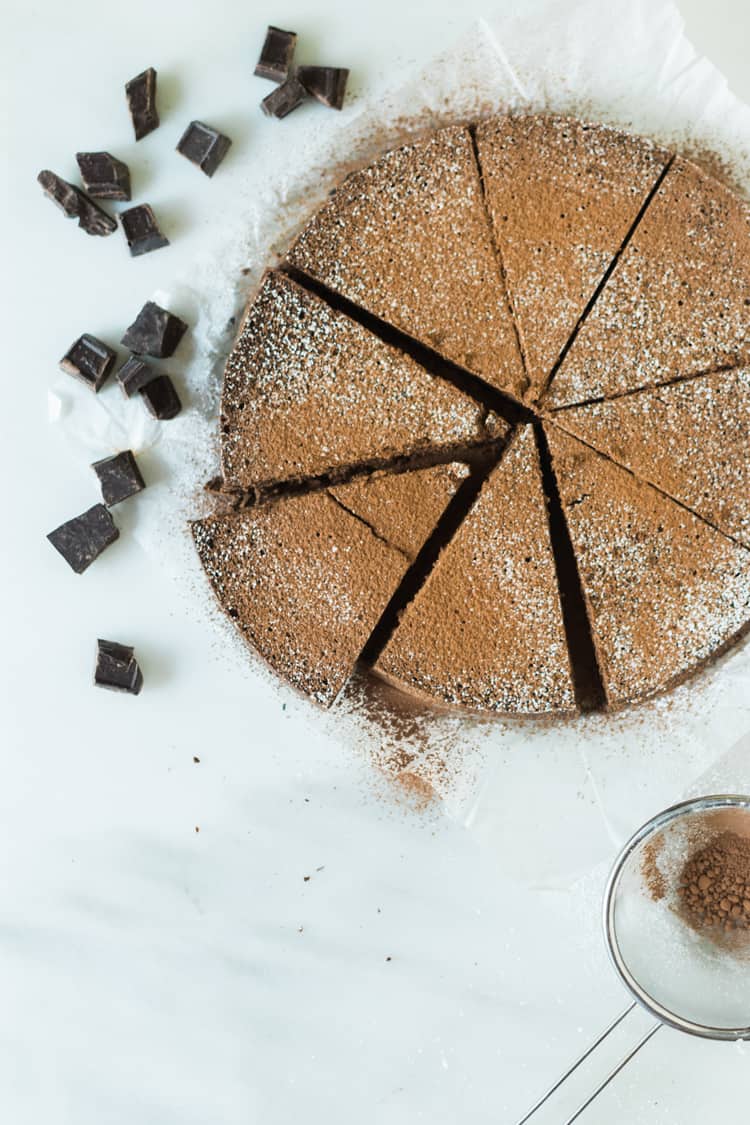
(152, 973)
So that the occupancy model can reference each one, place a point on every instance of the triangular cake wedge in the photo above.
(403, 508)
(308, 391)
(485, 632)
(678, 301)
(306, 579)
(563, 195)
(666, 592)
(690, 439)
(408, 239)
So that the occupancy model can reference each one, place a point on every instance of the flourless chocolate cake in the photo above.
(398, 417)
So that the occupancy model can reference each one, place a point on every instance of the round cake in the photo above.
(486, 429)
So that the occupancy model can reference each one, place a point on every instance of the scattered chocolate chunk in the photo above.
(141, 94)
(142, 230)
(204, 146)
(119, 477)
(284, 98)
(325, 83)
(103, 175)
(276, 57)
(133, 375)
(117, 668)
(155, 332)
(76, 205)
(82, 539)
(89, 360)
(161, 398)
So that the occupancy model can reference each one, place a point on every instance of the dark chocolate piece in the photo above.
(82, 539)
(103, 175)
(284, 98)
(142, 230)
(204, 146)
(161, 398)
(155, 332)
(117, 668)
(276, 57)
(76, 205)
(119, 477)
(89, 360)
(326, 83)
(133, 375)
(141, 94)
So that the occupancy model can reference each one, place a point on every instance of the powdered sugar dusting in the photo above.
(666, 591)
(486, 630)
(690, 439)
(408, 238)
(304, 581)
(307, 390)
(562, 195)
(678, 301)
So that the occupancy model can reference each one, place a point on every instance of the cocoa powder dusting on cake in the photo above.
(408, 238)
(304, 581)
(310, 395)
(485, 632)
(666, 591)
(690, 439)
(307, 390)
(404, 508)
(563, 194)
(678, 301)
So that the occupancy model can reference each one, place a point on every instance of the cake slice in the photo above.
(307, 579)
(403, 509)
(562, 195)
(308, 391)
(485, 631)
(665, 591)
(408, 239)
(678, 301)
(690, 439)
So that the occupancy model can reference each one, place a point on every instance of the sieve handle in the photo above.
(582, 1058)
(613, 1073)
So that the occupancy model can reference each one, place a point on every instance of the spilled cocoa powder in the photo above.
(714, 887)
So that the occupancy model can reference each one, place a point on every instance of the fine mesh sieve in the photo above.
(697, 982)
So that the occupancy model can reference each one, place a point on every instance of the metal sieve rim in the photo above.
(663, 1014)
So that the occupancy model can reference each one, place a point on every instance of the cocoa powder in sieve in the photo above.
(714, 885)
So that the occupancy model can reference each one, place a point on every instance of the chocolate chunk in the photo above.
(141, 230)
(161, 398)
(276, 57)
(76, 205)
(326, 83)
(204, 146)
(89, 360)
(119, 477)
(133, 375)
(82, 539)
(117, 668)
(284, 98)
(155, 332)
(141, 94)
(103, 175)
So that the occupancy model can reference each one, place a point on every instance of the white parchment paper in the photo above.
(627, 63)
